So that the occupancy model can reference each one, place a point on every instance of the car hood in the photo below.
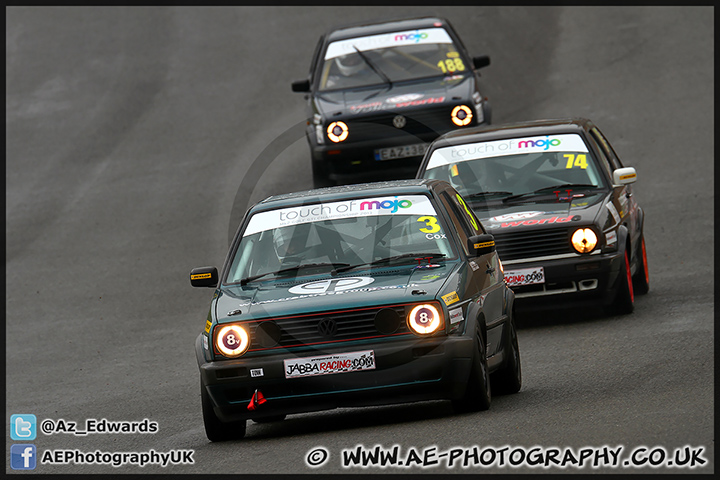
(540, 213)
(387, 286)
(405, 96)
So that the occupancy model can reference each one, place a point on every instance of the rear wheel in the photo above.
(215, 429)
(508, 379)
(625, 297)
(477, 393)
(641, 279)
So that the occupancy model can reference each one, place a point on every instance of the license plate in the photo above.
(329, 364)
(525, 276)
(415, 150)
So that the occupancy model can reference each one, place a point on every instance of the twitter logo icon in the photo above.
(23, 427)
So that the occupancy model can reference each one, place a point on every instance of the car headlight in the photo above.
(584, 240)
(461, 115)
(337, 131)
(425, 319)
(232, 340)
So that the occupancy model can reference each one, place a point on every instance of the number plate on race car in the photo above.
(525, 276)
(401, 152)
(330, 364)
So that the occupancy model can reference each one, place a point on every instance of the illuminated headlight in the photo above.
(461, 115)
(424, 319)
(337, 131)
(232, 340)
(584, 240)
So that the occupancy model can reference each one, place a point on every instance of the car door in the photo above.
(486, 272)
(623, 198)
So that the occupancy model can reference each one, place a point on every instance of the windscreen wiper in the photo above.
(374, 68)
(547, 190)
(487, 194)
(387, 260)
(294, 268)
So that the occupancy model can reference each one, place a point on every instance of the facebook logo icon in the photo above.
(23, 427)
(22, 457)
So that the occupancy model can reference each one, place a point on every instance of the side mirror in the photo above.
(481, 61)
(301, 86)
(624, 176)
(481, 244)
(204, 277)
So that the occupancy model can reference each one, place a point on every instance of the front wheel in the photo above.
(215, 429)
(641, 279)
(477, 392)
(625, 297)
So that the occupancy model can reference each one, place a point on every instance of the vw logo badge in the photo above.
(399, 121)
(327, 327)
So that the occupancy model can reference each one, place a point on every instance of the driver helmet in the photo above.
(349, 64)
(290, 242)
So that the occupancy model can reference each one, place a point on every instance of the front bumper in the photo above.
(575, 281)
(406, 370)
(342, 161)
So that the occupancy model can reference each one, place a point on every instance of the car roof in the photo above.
(517, 129)
(343, 192)
(361, 29)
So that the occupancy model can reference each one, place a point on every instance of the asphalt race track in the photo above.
(137, 136)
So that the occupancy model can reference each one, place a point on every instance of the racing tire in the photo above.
(274, 418)
(625, 297)
(215, 429)
(641, 279)
(508, 379)
(477, 395)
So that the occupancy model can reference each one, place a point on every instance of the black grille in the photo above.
(431, 121)
(535, 243)
(327, 327)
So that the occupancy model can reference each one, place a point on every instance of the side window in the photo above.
(455, 220)
(466, 214)
(462, 217)
(614, 160)
(315, 56)
(603, 158)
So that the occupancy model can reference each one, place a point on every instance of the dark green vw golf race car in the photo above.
(352, 296)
